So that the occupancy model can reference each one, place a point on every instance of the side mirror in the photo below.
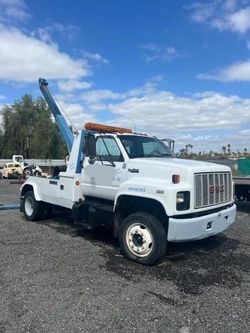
(90, 146)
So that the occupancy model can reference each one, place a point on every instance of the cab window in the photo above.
(107, 147)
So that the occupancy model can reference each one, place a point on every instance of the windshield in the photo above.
(144, 146)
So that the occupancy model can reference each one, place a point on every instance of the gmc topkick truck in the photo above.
(153, 197)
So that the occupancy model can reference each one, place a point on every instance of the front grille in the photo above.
(212, 188)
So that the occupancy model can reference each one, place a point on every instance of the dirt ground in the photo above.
(56, 277)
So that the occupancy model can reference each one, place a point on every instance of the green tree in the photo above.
(27, 129)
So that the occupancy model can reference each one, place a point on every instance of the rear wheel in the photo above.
(143, 238)
(47, 211)
(27, 172)
(32, 209)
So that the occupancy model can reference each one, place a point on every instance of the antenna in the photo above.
(133, 122)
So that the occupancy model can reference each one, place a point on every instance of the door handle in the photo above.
(133, 170)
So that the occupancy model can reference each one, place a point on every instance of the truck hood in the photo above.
(161, 170)
(177, 163)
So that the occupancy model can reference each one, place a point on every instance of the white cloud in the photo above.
(13, 11)
(229, 5)
(164, 114)
(97, 107)
(239, 71)
(95, 96)
(228, 15)
(200, 12)
(106, 95)
(95, 58)
(161, 53)
(2, 97)
(207, 120)
(77, 114)
(68, 31)
(24, 59)
(239, 21)
(72, 85)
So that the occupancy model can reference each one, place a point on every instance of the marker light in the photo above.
(176, 179)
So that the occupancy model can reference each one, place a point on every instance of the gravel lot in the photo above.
(9, 192)
(55, 277)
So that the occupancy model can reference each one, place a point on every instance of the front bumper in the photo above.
(200, 227)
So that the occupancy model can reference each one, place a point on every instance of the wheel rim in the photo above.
(29, 206)
(27, 173)
(139, 240)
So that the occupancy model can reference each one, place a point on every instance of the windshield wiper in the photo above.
(166, 154)
(160, 155)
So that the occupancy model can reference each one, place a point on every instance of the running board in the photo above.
(81, 209)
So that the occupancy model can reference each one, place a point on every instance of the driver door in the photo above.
(103, 177)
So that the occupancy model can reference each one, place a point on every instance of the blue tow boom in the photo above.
(64, 128)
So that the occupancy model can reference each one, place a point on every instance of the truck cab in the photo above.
(134, 183)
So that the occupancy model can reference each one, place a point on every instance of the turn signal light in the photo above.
(176, 179)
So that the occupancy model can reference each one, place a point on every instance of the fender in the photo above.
(144, 188)
(32, 184)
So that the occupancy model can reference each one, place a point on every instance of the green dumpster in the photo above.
(244, 166)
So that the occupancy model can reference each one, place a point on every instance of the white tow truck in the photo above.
(152, 197)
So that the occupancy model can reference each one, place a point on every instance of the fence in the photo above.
(42, 163)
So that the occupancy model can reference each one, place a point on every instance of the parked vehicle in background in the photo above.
(23, 169)
(19, 159)
(242, 181)
(12, 170)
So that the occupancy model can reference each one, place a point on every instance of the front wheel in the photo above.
(32, 209)
(142, 238)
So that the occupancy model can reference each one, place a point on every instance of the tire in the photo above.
(32, 209)
(142, 238)
(47, 211)
(27, 172)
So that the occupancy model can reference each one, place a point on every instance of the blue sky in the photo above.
(177, 69)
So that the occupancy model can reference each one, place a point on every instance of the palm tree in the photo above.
(224, 150)
(189, 146)
(229, 149)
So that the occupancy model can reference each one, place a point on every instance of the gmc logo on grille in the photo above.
(216, 188)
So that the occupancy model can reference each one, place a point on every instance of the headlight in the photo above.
(183, 200)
